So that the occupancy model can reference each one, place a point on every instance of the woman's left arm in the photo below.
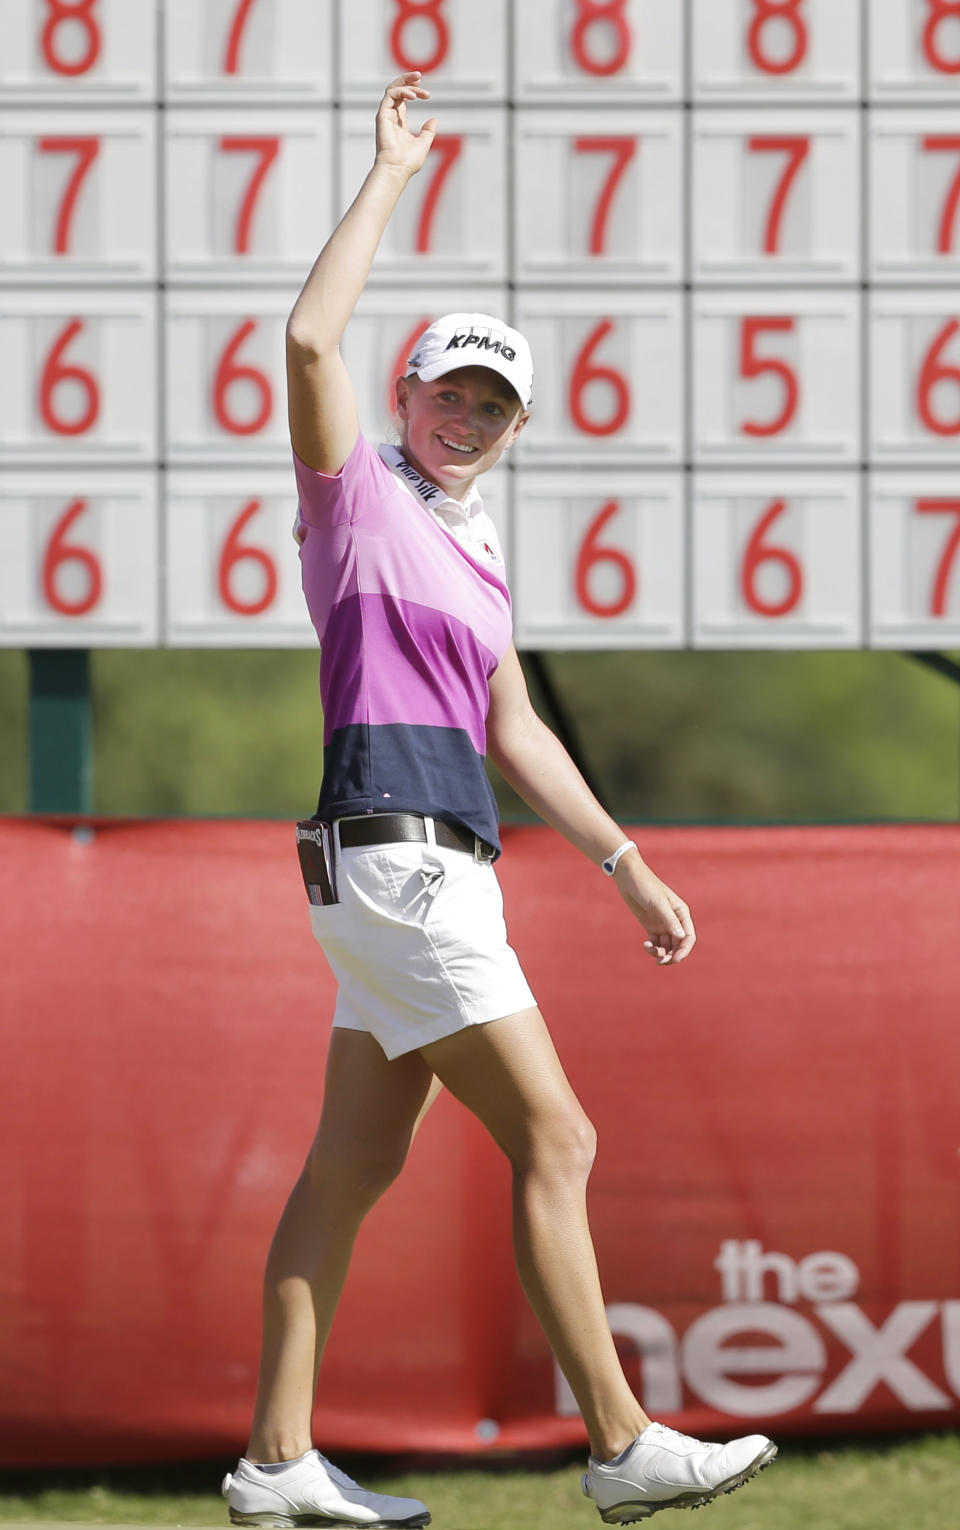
(537, 766)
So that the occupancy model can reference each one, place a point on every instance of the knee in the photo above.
(563, 1147)
(357, 1176)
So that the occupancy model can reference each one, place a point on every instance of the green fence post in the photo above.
(61, 734)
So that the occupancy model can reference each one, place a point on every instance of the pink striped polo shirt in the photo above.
(412, 624)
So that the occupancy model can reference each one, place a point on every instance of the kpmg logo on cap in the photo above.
(483, 343)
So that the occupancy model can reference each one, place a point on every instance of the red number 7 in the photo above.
(267, 149)
(796, 150)
(232, 61)
(446, 151)
(86, 150)
(623, 151)
(949, 145)
(938, 605)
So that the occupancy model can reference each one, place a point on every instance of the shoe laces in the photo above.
(664, 1432)
(334, 1472)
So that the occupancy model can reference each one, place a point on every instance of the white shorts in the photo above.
(418, 945)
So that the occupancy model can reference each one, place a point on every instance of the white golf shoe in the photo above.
(312, 1491)
(663, 1469)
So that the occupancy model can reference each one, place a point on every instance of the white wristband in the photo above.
(609, 866)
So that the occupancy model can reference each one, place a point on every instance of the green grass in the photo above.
(681, 736)
(878, 1485)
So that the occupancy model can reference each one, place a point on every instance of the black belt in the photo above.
(395, 828)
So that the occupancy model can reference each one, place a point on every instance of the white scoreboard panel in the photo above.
(730, 228)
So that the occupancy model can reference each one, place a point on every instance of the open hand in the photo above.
(664, 916)
(397, 144)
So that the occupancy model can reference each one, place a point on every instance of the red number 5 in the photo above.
(754, 365)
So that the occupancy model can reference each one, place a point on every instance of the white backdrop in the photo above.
(730, 228)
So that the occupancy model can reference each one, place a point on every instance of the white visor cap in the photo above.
(474, 340)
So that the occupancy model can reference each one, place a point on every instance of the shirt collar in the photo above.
(429, 493)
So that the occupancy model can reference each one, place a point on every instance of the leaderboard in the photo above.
(729, 228)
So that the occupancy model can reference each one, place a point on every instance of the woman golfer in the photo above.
(405, 584)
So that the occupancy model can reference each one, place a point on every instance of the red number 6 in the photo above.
(757, 554)
(932, 372)
(55, 373)
(585, 373)
(590, 554)
(228, 373)
(60, 551)
(234, 552)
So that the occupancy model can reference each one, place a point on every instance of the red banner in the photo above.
(775, 1202)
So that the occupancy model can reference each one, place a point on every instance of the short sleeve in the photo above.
(330, 499)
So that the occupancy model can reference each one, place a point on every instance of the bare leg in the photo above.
(371, 1110)
(508, 1074)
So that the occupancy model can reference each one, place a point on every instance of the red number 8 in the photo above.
(427, 10)
(596, 12)
(80, 11)
(777, 10)
(940, 10)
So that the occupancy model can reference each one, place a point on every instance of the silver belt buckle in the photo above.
(480, 846)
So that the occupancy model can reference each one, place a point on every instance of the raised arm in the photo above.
(537, 766)
(322, 404)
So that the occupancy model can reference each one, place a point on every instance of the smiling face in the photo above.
(457, 426)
